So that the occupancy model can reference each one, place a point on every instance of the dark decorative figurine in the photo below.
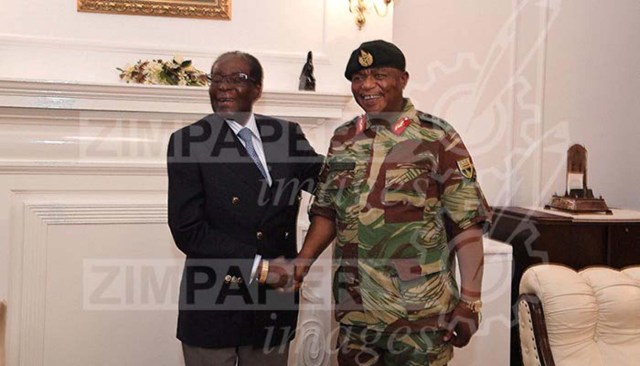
(307, 81)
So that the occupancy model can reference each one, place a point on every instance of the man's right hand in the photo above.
(302, 267)
(463, 324)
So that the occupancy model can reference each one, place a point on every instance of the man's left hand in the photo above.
(463, 324)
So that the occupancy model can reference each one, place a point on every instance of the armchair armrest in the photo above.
(534, 341)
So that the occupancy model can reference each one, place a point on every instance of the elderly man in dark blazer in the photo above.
(235, 180)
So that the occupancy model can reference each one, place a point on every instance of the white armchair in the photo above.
(585, 318)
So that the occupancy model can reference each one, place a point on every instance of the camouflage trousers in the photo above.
(359, 346)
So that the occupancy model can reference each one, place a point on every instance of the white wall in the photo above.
(50, 40)
(524, 81)
(459, 57)
(592, 90)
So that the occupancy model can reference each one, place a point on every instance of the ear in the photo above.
(404, 79)
(258, 91)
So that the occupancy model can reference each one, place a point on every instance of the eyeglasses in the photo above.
(233, 79)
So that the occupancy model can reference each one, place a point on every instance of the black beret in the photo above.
(372, 54)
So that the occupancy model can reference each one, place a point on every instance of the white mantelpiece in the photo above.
(59, 128)
(159, 98)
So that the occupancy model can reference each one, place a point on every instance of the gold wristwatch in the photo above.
(474, 306)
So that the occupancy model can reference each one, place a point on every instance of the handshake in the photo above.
(283, 274)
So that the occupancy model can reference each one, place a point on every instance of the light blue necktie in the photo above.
(245, 135)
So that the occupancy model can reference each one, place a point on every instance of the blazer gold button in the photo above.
(239, 280)
(227, 279)
(235, 200)
(286, 234)
(259, 235)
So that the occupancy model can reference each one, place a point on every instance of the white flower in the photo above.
(153, 67)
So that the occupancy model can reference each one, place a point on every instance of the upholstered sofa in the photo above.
(585, 318)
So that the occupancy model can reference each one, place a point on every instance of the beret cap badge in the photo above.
(365, 59)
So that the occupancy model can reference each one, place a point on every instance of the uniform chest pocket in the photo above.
(406, 193)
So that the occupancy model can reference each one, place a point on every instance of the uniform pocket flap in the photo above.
(409, 269)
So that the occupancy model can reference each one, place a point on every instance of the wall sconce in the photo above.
(361, 7)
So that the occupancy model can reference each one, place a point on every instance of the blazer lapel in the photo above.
(276, 140)
(275, 145)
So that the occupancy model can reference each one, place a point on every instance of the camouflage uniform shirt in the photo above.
(391, 192)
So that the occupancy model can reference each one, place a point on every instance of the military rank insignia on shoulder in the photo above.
(401, 125)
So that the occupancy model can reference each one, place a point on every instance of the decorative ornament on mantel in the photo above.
(158, 72)
(307, 80)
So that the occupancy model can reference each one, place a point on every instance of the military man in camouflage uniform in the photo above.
(398, 190)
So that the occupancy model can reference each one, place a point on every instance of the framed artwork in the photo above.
(211, 9)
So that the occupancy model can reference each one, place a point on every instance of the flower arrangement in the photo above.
(158, 72)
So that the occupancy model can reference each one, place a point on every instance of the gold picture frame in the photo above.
(208, 9)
